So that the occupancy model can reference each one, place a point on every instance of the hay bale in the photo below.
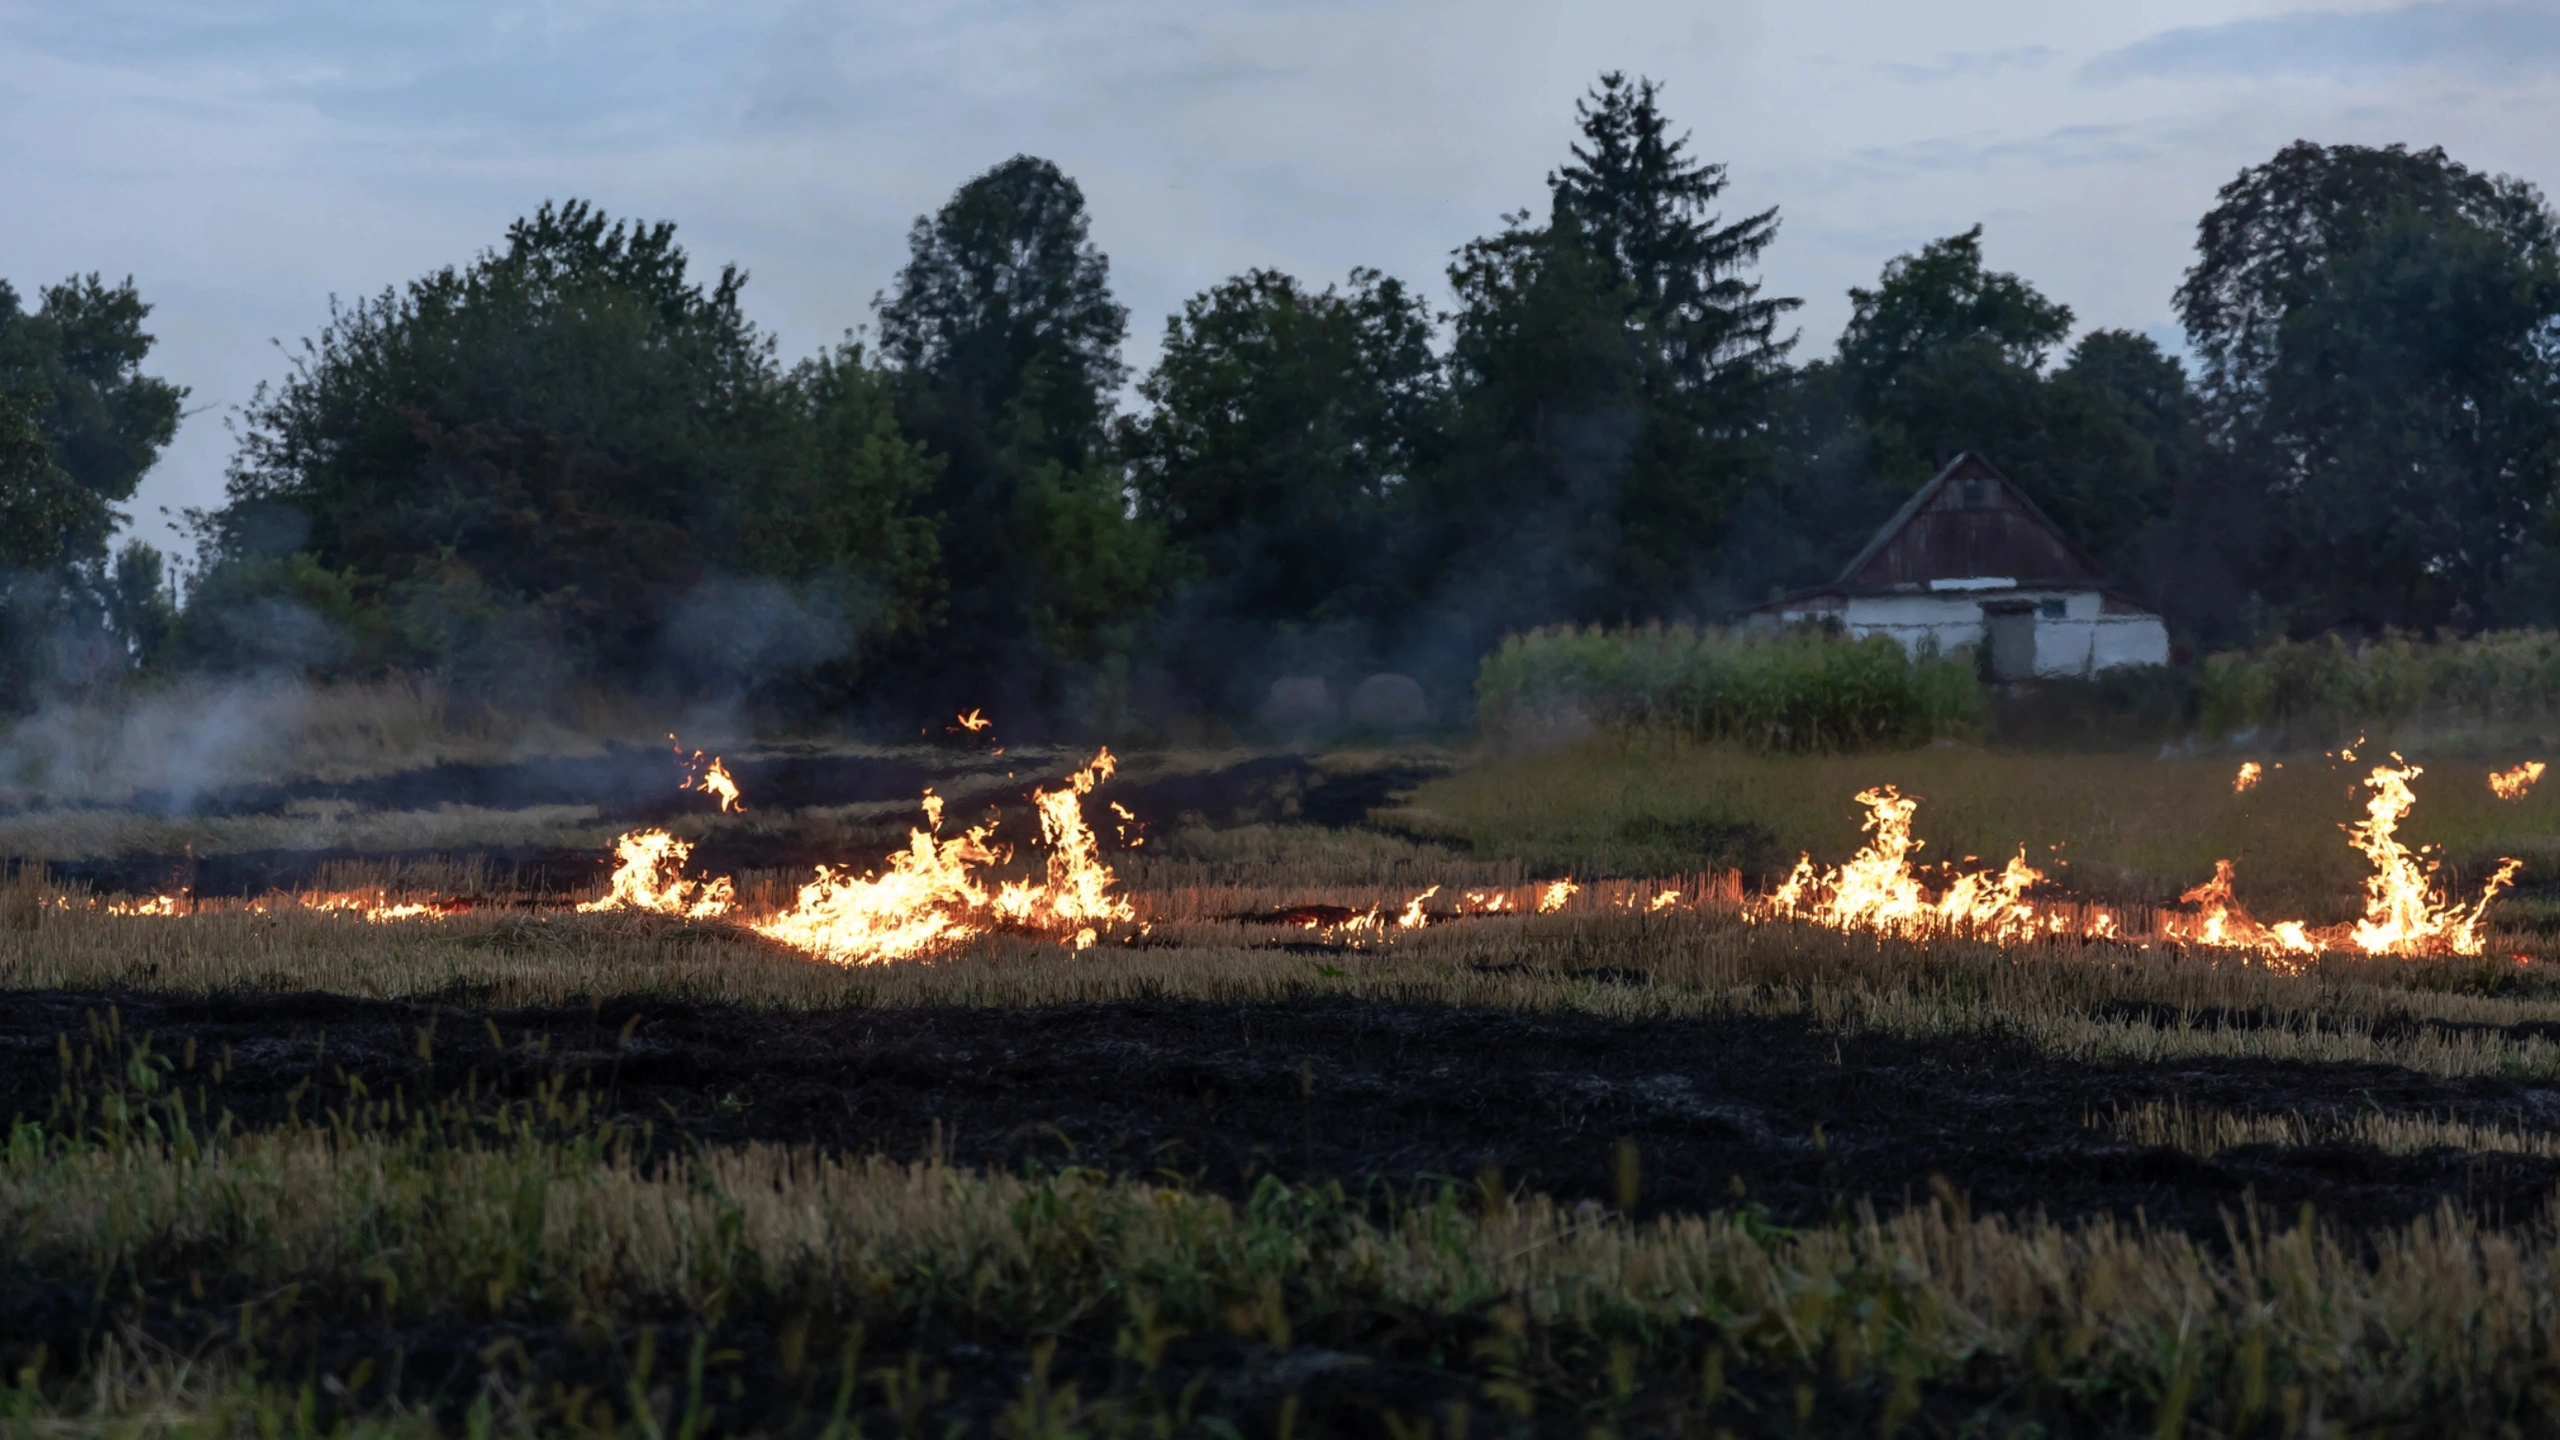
(1390, 702)
(1298, 702)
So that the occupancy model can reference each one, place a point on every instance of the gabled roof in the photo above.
(1970, 520)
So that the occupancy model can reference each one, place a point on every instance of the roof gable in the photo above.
(1968, 521)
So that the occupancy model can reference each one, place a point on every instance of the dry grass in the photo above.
(2209, 1131)
(2444, 1325)
(2087, 1002)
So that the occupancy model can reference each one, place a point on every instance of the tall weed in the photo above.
(2327, 688)
(1798, 690)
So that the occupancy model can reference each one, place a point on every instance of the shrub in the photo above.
(2328, 686)
(1788, 690)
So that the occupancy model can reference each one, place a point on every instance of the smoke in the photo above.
(163, 750)
(732, 637)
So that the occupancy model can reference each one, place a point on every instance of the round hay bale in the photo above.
(1390, 702)
(1298, 702)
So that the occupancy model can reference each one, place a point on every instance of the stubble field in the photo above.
(1255, 1162)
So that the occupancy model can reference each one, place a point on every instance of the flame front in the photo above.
(930, 895)
(1877, 889)
(649, 877)
(2513, 784)
(2247, 779)
(2404, 912)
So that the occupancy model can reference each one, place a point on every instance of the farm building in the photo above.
(1971, 560)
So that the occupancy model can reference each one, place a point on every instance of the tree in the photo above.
(1639, 202)
(1004, 282)
(1281, 423)
(1007, 339)
(75, 368)
(2380, 332)
(1612, 371)
(543, 460)
(1945, 355)
(79, 425)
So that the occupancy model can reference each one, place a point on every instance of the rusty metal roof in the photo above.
(1970, 520)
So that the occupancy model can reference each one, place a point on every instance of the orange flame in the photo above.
(929, 896)
(712, 779)
(2404, 913)
(2247, 779)
(2513, 784)
(1414, 916)
(1876, 889)
(973, 722)
(648, 878)
(1555, 896)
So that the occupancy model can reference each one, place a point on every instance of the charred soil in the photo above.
(1385, 1099)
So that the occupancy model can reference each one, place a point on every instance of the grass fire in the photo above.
(1643, 829)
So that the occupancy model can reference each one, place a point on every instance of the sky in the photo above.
(246, 160)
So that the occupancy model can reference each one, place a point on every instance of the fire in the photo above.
(711, 779)
(2247, 779)
(2513, 784)
(926, 897)
(648, 878)
(1555, 896)
(930, 896)
(716, 781)
(1877, 889)
(1078, 893)
(1414, 916)
(1664, 901)
(2219, 921)
(1486, 902)
(973, 722)
(2404, 913)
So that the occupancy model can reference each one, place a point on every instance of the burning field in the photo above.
(774, 1090)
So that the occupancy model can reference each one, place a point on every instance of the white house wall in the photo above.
(2084, 641)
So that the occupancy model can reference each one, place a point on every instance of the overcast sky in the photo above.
(244, 160)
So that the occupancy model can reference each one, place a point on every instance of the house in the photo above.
(1971, 560)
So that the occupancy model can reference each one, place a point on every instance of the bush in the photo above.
(2327, 686)
(1790, 690)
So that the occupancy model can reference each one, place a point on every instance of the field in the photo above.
(1628, 1157)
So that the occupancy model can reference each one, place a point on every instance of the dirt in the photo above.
(1383, 1098)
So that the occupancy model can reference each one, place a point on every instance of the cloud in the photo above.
(2481, 38)
(1970, 64)
(2065, 147)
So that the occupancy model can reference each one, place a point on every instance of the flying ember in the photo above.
(711, 779)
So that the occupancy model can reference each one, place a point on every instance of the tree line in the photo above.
(574, 459)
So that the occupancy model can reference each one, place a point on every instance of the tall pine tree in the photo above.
(1611, 369)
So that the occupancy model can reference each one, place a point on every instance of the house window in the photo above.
(2050, 608)
(1973, 494)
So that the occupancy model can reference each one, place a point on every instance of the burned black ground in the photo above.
(634, 786)
(1386, 1099)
